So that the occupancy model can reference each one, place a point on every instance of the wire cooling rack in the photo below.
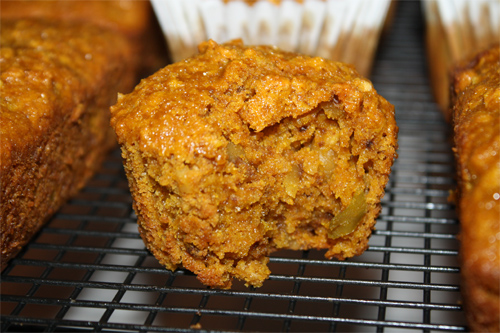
(88, 269)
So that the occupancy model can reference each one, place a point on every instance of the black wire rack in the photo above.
(88, 269)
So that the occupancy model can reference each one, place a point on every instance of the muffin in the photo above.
(134, 19)
(456, 31)
(127, 16)
(241, 151)
(341, 30)
(476, 123)
(57, 83)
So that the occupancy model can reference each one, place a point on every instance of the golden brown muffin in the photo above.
(130, 17)
(57, 82)
(133, 18)
(241, 151)
(476, 119)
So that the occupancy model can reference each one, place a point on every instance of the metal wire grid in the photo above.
(88, 268)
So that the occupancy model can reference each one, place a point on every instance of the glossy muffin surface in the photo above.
(241, 151)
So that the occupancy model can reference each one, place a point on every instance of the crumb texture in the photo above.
(241, 151)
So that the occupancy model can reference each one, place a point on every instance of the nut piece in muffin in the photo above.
(241, 151)
(476, 119)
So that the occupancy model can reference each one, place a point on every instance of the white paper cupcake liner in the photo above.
(468, 25)
(455, 31)
(342, 30)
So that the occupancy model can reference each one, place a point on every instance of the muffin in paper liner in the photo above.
(341, 30)
(456, 30)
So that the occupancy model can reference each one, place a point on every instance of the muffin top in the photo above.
(476, 116)
(127, 16)
(49, 71)
(232, 89)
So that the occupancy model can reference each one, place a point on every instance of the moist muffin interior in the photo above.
(228, 172)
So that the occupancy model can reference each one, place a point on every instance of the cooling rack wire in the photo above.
(88, 269)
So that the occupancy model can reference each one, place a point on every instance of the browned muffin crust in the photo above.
(132, 18)
(476, 120)
(241, 151)
(57, 82)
